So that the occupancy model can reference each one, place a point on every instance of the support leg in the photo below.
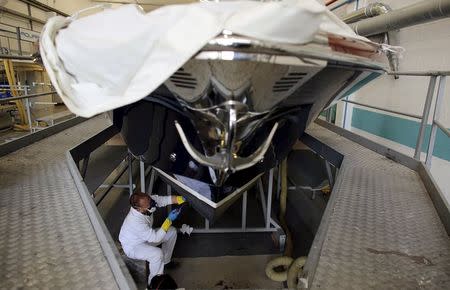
(244, 211)
(329, 173)
(152, 181)
(269, 198)
(169, 192)
(262, 197)
(434, 127)
(142, 174)
(425, 114)
(130, 173)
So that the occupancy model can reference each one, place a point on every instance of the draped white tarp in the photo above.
(119, 56)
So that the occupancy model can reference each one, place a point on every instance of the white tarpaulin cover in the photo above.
(119, 56)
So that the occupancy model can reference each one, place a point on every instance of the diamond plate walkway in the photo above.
(46, 238)
(383, 231)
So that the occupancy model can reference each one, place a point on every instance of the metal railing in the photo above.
(5, 100)
(26, 97)
(439, 77)
(16, 57)
(383, 109)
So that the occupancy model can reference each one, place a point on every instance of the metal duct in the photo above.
(373, 10)
(418, 13)
(370, 10)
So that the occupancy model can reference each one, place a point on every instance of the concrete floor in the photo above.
(229, 272)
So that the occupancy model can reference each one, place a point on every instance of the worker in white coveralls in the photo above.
(140, 241)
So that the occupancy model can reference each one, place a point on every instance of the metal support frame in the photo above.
(262, 197)
(270, 224)
(84, 166)
(130, 173)
(278, 183)
(123, 166)
(235, 230)
(329, 173)
(269, 199)
(244, 211)
(425, 114)
(328, 114)
(434, 127)
(152, 180)
(115, 185)
(142, 175)
(344, 120)
(27, 107)
(169, 192)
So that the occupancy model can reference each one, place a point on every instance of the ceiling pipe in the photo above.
(370, 10)
(373, 10)
(418, 13)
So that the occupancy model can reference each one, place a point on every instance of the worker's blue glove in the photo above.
(173, 215)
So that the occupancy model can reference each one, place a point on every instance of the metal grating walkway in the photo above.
(382, 231)
(47, 240)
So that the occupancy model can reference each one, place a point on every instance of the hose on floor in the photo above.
(291, 267)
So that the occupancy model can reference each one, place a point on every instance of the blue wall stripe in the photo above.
(399, 130)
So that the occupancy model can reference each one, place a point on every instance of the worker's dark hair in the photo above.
(136, 199)
(163, 281)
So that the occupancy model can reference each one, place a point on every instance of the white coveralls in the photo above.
(139, 240)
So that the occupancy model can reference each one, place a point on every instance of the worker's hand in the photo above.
(166, 225)
(170, 218)
(173, 215)
(180, 199)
